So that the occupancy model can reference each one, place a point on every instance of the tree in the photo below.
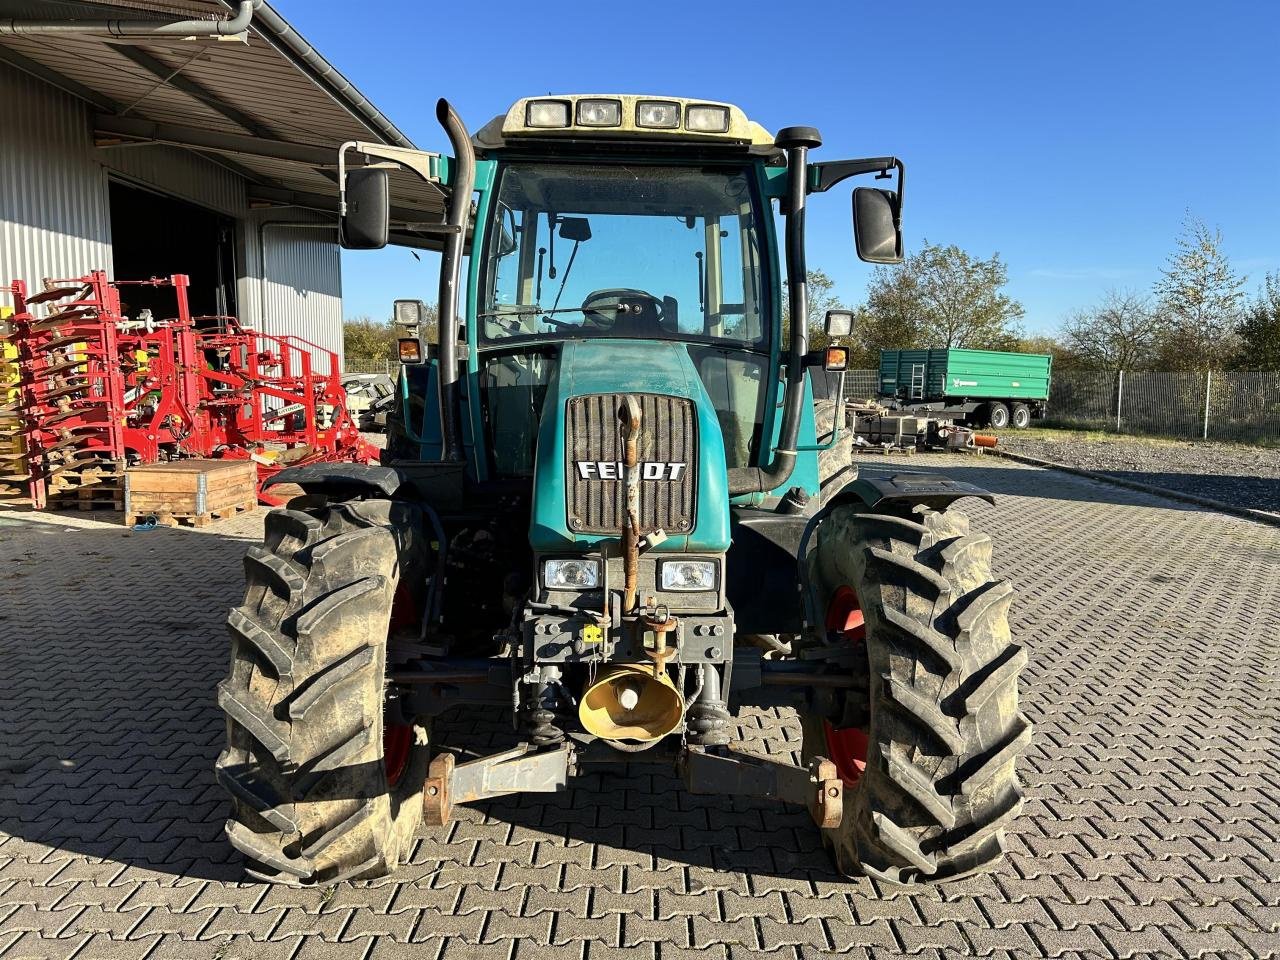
(1201, 301)
(944, 297)
(1260, 329)
(821, 299)
(369, 339)
(1120, 333)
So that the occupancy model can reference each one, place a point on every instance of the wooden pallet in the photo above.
(886, 451)
(94, 486)
(166, 519)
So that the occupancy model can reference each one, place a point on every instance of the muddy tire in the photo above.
(312, 799)
(941, 708)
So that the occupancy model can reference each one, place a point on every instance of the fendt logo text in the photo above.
(613, 470)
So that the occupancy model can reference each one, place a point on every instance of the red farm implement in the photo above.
(97, 391)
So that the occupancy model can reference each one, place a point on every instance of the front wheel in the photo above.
(998, 415)
(927, 744)
(325, 779)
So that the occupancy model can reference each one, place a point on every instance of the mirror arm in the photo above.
(824, 176)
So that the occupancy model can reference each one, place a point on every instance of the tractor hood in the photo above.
(577, 477)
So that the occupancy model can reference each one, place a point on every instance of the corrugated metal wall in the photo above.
(53, 195)
(180, 174)
(55, 218)
(303, 289)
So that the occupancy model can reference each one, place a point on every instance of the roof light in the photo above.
(660, 114)
(547, 113)
(599, 113)
(706, 118)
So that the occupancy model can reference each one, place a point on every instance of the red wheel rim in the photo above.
(397, 738)
(846, 746)
(396, 741)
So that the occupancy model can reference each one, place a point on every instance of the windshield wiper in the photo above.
(531, 310)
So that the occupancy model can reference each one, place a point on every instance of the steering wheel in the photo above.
(638, 312)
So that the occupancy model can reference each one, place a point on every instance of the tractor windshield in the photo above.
(654, 252)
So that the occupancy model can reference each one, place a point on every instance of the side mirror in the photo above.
(577, 229)
(365, 222)
(876, 225)
(839, 323)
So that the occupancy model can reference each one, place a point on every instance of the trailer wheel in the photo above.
(927, 748)
(323, 786)
(1021, 416)
(998, 415)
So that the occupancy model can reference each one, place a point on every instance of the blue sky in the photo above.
(1070, 137)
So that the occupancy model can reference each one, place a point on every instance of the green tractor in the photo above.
(618, 495)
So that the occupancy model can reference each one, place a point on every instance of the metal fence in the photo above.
(1213, 406)
(365, 365)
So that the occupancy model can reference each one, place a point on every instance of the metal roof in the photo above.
(267, 105)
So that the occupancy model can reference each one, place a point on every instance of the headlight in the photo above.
(705, 118)
(571, 574)
(599, 113)
(662, 114)
(547, 113)
(688, 574)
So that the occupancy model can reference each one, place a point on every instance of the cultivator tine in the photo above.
(56, 293)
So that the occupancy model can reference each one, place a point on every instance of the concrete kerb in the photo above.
(1261, 516)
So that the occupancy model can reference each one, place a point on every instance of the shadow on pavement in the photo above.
(113, 642)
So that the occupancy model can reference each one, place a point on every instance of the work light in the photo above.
(687, 574)
(547, 113)
(575, 574)
(661, 114)
(707, 118)
(599, 113)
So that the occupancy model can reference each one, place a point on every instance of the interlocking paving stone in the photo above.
(1152, 824)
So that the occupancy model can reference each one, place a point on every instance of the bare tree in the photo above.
(1120, 333)
(1201, 301)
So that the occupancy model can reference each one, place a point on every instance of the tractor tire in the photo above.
(1020, 416)
(997, 415)
(939, 717)
(318, 794)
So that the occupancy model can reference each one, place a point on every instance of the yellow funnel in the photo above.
(627, 702)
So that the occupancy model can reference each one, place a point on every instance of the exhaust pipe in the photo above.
(797, 141)
(457, 215)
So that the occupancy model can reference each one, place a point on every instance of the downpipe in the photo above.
(463, 185)
(137, 28)
(797, 141)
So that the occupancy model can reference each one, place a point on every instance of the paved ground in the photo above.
(1153, 825)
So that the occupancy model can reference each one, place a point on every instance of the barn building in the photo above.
(152, 137)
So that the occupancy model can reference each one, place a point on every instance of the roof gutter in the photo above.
(280, 34)
(138, 28)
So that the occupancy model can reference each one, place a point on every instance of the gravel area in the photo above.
(1233, 473)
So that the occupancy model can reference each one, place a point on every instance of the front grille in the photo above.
(668, 435)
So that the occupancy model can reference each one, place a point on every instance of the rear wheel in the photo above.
(927, 747)
(1021, 416)
(998, 415)
(325, 779)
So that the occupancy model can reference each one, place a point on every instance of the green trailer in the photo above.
(979, 387)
